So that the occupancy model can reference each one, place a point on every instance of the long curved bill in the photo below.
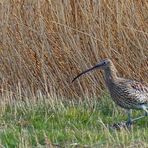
(96, 66)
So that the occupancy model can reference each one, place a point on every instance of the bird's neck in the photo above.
(110, 75)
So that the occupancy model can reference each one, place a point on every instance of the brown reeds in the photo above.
(45, 43)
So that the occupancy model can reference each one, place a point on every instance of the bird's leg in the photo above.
(146, 114)
(138, 118)
(129, 121)
(146, 111)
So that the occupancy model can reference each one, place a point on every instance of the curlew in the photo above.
(128, 94)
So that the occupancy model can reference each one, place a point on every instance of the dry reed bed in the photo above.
(45, 43)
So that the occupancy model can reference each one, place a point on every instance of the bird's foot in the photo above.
(129, 123)
(121, 125)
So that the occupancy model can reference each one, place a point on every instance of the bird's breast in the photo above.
(121, 96)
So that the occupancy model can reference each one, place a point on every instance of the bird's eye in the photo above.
(104, 62)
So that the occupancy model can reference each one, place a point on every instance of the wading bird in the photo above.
(128, 94)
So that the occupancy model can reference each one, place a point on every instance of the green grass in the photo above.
(68, 124)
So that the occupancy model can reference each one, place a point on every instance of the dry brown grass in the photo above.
(45, 43)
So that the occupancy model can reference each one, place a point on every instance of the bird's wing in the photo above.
(135, 90)
(140, 87)
(139, 91)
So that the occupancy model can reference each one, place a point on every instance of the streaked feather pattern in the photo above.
(139, 87)
(127, 93)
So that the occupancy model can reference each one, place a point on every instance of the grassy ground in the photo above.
(68, 124)
(44, 44)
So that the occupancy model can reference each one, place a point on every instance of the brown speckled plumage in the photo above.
(128, 94)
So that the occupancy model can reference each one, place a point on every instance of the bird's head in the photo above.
(103, 64)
